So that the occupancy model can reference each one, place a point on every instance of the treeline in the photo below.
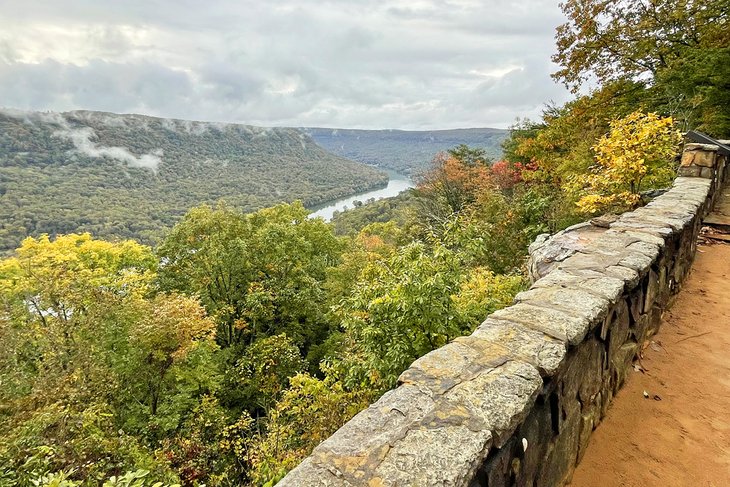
(396, 209)
(405, 151)
(130, 176)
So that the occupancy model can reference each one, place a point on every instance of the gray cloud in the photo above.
(351, 63)
(81, 138)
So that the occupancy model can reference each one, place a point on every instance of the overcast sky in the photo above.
(411, 64)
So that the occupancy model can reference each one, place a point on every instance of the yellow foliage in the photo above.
(636, 154)
(174, 326)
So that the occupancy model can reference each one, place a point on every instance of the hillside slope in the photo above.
(132, 176)
(407, 152)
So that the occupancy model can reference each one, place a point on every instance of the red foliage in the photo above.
(506, 176)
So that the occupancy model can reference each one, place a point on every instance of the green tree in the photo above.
(62, 301)
(258, 274)
(67, 309)
(678, 48)
(470, 156)
(265, 367)
(308, 412)
(171, 329)
(401, 309)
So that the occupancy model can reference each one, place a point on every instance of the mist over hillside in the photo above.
(405, 151)
(133, 176)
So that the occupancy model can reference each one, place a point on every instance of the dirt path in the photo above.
(683, 439)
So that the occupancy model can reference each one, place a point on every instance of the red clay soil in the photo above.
(680, 435)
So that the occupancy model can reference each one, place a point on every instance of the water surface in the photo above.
(396, 184)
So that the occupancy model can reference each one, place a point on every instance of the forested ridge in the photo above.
(405, 151)
(133, 176)
(226, 353)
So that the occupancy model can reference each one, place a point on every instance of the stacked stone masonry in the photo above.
(514, 403)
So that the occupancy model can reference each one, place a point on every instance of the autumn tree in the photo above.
(67, 309)
(634, 38)
(308, 412)
(452, 183)
(170, 331)
(637, 153)
(61, 303)
(680, 49)
(264, 369)
(559, 149)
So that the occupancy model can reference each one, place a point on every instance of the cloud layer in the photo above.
(418, 64)
(81, 138)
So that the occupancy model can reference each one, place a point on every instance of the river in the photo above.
(396, 183)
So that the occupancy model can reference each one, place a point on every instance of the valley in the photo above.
(405, 151)
(134, 176)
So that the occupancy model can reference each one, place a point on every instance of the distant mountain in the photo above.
(404, 151)
(133, 176)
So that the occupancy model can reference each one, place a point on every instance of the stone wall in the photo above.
(515, 402)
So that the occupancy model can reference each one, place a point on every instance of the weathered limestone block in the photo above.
(652, 219)
(640, 237)
(607, 287)
(650, 250)
(557, 469)
(690, 171)
(501, 467)
(704, 160)
(497, 400)
(699, 155)
(640, 328)
(442, 369)
(553, 322)
(621, 362)
(536, 348)
(548, 251)
(355, 450)
(576, 302)
(630, 276)
(583, 377)
(312, 475)
(597, 262)
(539, 429)
(636, 302)
(636, 261)
(643, 227)
(652, 289)
(447, 456)
(616, 328)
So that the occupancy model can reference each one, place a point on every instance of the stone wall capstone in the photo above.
(515, 402)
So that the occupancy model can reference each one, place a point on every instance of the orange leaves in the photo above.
(506, 176)
(456, 182)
